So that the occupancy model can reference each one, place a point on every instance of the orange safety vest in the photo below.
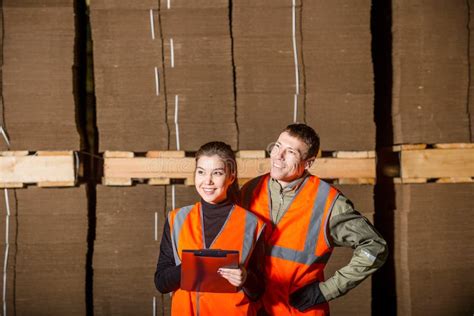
(240, 232)
(297, 247)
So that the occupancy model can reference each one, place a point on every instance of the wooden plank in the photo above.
(409, 147)
(356, 181)
(455, 180)
(340, 168)
(409, 180)
(183, 168)
(250, 154)
(354, 154)
(53, 153)
(327, 168)
(49, 184)
(252, 167)
(454, 145)
(116, 181)
(118, 154)
(159, 181)
(166, 154)
(11, 185)
(35, 169)
(437, 163)
(14, 153)
(189, 181)
(147, 168)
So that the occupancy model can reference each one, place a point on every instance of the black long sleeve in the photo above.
(168, 274)
(254, 285)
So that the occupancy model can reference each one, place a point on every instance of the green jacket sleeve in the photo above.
(348, 228)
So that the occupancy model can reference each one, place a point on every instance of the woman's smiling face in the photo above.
(212, 179)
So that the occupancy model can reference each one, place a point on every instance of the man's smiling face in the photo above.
(288, 159)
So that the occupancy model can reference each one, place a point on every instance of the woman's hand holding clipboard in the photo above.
(199, 270)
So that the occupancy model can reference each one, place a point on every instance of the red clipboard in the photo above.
(199, 270)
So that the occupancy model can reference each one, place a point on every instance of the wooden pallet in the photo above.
(44, 168)
(163, 167)
(442, 163)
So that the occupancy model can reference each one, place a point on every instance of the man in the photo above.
(307, 218)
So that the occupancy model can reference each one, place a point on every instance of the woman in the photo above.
(215, 222)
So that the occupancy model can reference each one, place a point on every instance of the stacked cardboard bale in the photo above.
(128, 74)
(198, 73)
(430, 72)
(48, 246)
(434, 254)
(38, 68)
(182, 196)
(126, 249)
(47, 227)
(265, 70)
(338, 73)
(359, 298)
(431, 104)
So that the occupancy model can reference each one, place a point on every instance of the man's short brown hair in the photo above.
(306, 134)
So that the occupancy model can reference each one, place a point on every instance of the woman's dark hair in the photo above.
(226, 154)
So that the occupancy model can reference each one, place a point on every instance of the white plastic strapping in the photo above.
(76, 162)
(176, 123)
(173, 197)
(156, 226)
(7, 247)
(295, 54)
(2, 131)
(157, 81)
(152, 24)
(172, 52)
(295, 108)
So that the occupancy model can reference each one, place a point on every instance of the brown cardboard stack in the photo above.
(50, 255)
(338, 73)
(430, 72)
(265, 70)
(434, 253)
(126, 250)
(128, 74)
(183, 196)
(38, 62)
(198, 73)
(359, 299)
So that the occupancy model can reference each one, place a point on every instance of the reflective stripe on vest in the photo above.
(250, 226)
(177, 224)
(307, 256)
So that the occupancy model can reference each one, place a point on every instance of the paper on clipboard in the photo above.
(199, 270)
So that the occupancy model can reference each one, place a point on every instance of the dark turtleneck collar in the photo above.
(214, 217)
(227, 203)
